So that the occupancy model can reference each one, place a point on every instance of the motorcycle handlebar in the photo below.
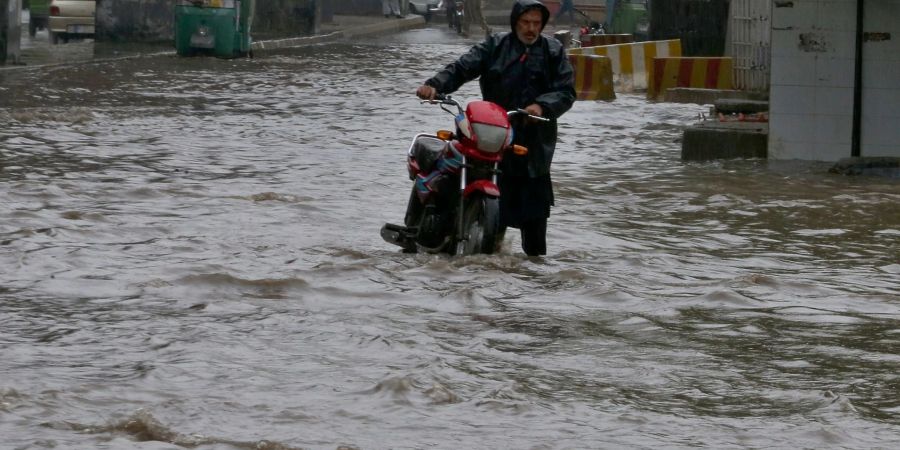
(447, 100)
(443, 99)
(530, 116)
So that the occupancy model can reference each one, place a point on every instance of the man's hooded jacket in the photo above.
(514, 76)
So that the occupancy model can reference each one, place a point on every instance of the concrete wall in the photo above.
(10, 31)
(370, 7)
(812, 84)
(360, 7)
(881, 73)
(811, 90)
(135, 20)
(281, 18)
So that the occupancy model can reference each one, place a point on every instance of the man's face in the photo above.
(528, 27)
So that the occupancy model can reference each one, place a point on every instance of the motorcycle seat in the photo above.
(426, 151)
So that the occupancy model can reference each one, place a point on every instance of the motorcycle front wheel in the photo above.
(481, 225)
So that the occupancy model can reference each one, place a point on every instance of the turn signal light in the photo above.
(445, 135)
(520, 150)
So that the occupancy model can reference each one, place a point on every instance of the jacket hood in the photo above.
(519, 8)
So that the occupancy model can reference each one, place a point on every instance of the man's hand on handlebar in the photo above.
(535, 110)
(426, 92)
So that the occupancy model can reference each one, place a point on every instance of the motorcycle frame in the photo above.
(488, 187)
(409, 152)
(466, 189)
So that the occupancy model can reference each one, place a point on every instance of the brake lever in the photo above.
(438, 99)
(528, 115)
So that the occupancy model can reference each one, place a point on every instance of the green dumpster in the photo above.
(631, 17)
(215, 27)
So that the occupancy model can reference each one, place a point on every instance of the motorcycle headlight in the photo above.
(490, 138)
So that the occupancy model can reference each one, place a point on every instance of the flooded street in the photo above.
(190, 257)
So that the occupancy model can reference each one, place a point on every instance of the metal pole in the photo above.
(317, 16)
(855, 145)
(610, 11)
(10, 31)
(4, 29)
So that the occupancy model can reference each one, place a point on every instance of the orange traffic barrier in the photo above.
(632, 63)
(700, 72)
(593, 77)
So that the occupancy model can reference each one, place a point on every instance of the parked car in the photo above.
(70, 18)
(423, 7)
(38, 12)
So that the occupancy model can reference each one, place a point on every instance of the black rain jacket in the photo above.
(514, 76)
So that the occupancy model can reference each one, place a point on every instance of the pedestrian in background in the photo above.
(566, 6)
(475, 15)
(391, 8)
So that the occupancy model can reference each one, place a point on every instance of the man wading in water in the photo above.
(526, 70)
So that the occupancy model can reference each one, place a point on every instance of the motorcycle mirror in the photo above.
(520, 150)
(445, 135)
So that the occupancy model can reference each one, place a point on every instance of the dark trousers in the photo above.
(534, 236)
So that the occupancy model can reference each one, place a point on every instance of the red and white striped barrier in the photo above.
(699, 72)
(593, 77)
(631, 63)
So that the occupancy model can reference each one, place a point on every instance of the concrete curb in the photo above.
(725, 140)
(709, 96)
(883, 166)
(389, 26)
(86, 61)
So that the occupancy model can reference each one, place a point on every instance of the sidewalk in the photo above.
(37, 52)
(345, 27)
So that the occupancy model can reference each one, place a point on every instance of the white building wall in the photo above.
(811, 89)
(812, 80)
(881, 80)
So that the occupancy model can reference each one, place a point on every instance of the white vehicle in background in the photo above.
(424, 7)
(71, 18)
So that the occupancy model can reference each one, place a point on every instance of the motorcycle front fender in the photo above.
(484, 186)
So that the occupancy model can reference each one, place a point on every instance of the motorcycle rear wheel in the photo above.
(481, 225)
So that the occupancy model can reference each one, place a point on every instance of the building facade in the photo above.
(834, 79)
(153, 20)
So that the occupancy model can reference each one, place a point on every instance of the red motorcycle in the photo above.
(454, 204)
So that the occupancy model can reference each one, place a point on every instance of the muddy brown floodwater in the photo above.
(190, 257)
